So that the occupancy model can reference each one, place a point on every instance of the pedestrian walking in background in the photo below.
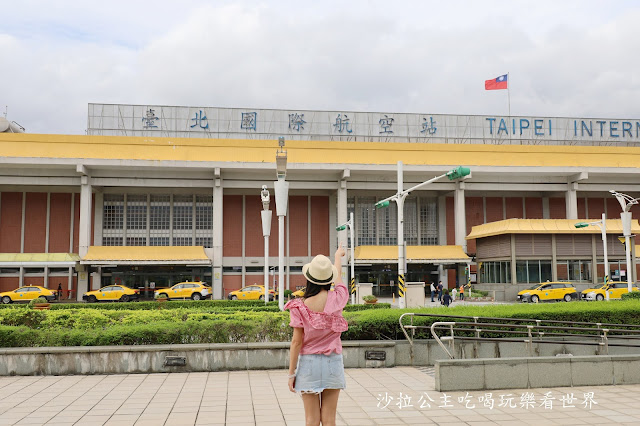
(446, 299)
(59, 291)
(462, 292)
(454, 292)
(316, 348)
(440, 287)
(433, 292)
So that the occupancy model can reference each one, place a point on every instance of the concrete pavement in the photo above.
(393, 396)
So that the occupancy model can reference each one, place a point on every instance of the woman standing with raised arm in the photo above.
(316, 348)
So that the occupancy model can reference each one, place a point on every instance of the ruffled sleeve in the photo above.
(318, 320)
(294, 314)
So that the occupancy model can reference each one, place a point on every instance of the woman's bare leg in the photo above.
(311, 409)
(329, 406)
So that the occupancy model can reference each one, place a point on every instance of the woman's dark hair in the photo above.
(313, 289)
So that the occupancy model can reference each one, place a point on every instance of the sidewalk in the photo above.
(393, 396)
(436, 303)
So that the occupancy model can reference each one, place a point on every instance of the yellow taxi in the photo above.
(195, 290)
(616, 290)
(27, 294)
(252, 292)
(111, 293)
(549, 291)
(299, 293)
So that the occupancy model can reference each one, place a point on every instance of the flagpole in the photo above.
(509, 103)
(509, 95)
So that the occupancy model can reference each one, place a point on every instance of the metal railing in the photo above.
(523, 330)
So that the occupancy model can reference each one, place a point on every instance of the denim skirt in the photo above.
(317, 372)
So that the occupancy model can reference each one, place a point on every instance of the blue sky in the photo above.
(569, 58)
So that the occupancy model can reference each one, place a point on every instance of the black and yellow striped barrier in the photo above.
(401, 286)
(352, 285)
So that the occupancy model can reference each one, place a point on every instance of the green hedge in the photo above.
(632, 295)
(80, 326)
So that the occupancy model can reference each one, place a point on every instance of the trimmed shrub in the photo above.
(632, 295)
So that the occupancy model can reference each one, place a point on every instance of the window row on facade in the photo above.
(380, 226)
(157, 220)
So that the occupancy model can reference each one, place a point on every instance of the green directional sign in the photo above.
(581, 225)
(458, 172)
(341, 228)
(382, 204)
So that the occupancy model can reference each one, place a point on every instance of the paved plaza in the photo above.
(392, 396)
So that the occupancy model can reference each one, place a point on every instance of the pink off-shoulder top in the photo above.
(321, 329)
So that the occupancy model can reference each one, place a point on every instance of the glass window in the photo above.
(160, 212)
(428, 221)
(204, 212)
(182, 241)
(182, 212)
(411, 221)
(113, 211)
(366, 216)
(574, 270)
(495, 272)
(136, 212)
(159, 241)
(111, 241)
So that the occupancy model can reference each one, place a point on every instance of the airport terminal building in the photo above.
(155, 195)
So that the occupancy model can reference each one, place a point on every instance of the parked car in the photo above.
(185, 290)
(252, 292)
(299, 293)
(549, 291)
(27, 294)
(111, 293)
(616, 290)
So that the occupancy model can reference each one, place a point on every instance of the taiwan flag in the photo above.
(496, 83)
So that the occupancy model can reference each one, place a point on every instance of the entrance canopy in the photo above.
(53, 260)
(415, 254)
(546, 226)
(143, 255)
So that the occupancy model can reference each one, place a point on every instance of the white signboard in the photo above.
(252, 123)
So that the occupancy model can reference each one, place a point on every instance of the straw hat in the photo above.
(320, 271)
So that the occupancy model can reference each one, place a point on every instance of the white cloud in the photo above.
(564, 58)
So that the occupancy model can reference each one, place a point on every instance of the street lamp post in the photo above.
(626, 202)
(352, 281)
(281, 187)
(399, 197)
(266, 232)
(602, 224)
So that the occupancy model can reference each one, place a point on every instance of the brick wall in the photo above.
(298, 225)
(514, 207)
(533, 208)
(10, 222)
(59, 223)
(494, 209)
(320, 226)
(35, 222)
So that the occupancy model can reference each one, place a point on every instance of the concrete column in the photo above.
(571, 199)
(342, 218)
(554, 258)
(514, 278)
(24, 209)
(46, 236)
(216, 273)
(545, 208)
(46, 277)
(244, 240)
(97, 222)
(594, 259)
(442, 232)
(460, 218)
(84, 235)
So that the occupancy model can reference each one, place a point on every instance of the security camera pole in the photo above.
(457, 173)
(266, 232)
(282, 197)
(626, 202)
(352, 282)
